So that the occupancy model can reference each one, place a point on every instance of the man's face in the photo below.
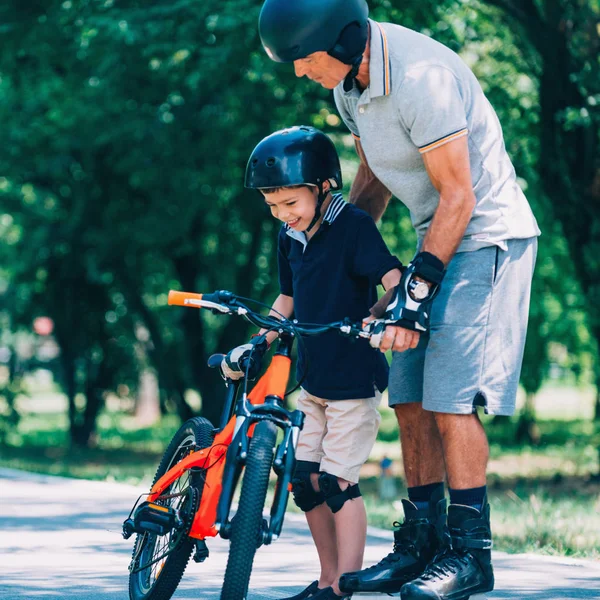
(322, 68)
(294, 206)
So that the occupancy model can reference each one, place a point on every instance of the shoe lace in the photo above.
(402, 547)
(445, 563)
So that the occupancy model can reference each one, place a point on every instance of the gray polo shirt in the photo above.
(422, 95)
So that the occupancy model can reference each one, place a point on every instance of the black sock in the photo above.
(420, 495)
(470, 497)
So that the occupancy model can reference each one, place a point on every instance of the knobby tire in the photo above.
(160, 580)
(247, 524)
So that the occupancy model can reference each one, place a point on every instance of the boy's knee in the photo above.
(337, 491)
(306, 495)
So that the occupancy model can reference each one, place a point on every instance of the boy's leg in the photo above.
(351, 432)
(351, 532)
(322, 528)
(305, 488)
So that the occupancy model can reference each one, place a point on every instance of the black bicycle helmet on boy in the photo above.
(293, 29)
(295, 156)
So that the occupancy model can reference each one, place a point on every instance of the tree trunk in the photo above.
(528, 431)
(147, 405)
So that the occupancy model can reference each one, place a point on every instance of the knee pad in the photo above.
(305, 496)
(334, 496)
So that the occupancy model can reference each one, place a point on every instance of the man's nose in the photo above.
(299, 69)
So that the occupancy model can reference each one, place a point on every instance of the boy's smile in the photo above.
(294, 206)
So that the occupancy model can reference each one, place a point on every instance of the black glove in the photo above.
(410, 305)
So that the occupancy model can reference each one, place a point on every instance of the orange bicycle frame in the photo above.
(212, 459)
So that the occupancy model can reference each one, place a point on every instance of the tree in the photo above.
(563, 38)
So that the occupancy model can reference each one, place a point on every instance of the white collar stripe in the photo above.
(334, 209)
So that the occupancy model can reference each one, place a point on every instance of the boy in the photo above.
(331, 257)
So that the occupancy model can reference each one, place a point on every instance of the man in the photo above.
(425, 132)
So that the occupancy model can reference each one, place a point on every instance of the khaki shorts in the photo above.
(338, 434)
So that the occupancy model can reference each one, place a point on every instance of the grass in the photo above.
(544, 498)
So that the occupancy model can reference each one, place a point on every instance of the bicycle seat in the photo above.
(215, 360)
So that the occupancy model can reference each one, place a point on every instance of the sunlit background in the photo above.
(126, 126)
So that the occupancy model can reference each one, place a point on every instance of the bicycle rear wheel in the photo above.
(158, 562)
(246, 525)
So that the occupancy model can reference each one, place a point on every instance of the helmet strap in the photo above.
(349, 80)
(320, 199)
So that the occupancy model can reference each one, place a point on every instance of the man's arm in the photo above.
(367, 191)
(450, 173)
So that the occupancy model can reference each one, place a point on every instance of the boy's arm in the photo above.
(372, 258)
(367, 191)
(283, 305)
(389, 281)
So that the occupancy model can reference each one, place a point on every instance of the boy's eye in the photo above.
(290, 203)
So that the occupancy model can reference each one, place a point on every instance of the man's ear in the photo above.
(326, 186)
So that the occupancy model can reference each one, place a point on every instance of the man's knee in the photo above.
(449, 423)
(413, 421)
(305, 495)
(334, 495)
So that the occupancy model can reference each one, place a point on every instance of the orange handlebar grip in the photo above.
(179, 298)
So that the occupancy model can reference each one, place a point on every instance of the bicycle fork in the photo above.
(291, 422)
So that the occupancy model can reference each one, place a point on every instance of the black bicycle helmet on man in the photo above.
(292, 30)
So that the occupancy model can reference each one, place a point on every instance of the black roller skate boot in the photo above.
(464, 566)
(415, 544)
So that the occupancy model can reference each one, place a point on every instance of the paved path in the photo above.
(60, 538)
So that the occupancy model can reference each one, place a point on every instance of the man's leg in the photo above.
(415, 540)
(465, 448)
(421, 444)
(464, 568)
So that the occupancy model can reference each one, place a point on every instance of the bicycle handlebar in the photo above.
(228, 303)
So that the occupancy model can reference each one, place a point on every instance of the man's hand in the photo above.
(398, 339)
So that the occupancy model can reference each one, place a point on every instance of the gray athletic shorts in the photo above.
(473, 352)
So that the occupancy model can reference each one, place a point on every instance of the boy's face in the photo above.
(294, 206)
(322, 68)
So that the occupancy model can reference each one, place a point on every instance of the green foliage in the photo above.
(127, 131)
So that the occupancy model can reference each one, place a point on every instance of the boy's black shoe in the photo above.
(415, 544)
(306, 593)
(465, 567)
(328, 594)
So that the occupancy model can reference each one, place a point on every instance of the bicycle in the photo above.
(192, 493)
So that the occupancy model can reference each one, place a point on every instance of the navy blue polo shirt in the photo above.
(330, 277)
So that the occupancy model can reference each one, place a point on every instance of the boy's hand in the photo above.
(230, 365)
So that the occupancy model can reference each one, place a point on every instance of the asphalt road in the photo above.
(61, 538)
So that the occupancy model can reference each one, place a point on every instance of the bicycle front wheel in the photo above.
(158, 562)
(246, 525)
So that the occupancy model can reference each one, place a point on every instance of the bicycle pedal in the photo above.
(201, 553)
(152, 518)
